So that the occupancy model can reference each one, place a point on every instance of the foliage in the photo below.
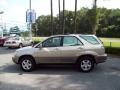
(15, 30)
(25, 33)
(104, 22)
(37, 39)
(112, 50)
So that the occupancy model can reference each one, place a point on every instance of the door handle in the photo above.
(80, 48)
(56, 49)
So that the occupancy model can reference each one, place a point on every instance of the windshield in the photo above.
(90, 39)
(14, 38)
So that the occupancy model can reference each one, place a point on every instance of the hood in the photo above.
(25, 48)
(10, 40)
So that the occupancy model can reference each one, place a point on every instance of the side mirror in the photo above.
(40, 46)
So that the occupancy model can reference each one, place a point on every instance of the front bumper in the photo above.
(101, 58)
(15, 59)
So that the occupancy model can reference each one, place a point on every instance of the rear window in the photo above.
(14, 38)
(90, 39)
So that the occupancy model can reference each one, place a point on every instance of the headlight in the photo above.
(15, 53)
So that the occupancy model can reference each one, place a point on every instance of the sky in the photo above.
(15, 10)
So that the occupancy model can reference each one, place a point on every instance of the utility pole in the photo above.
(30, 23)
(75, 29)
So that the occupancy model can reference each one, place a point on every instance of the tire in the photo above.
(85, 64)
(9, 47)
(27, 64)
(20, 45)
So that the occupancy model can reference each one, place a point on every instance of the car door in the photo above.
(72, 46)
(50, 53)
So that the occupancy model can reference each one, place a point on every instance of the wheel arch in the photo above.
(88, 55)
(26, 56)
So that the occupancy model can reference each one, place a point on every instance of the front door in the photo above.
(50, 53)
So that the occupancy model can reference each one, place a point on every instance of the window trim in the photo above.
(91, 42)
(51, 38)
(73, 45)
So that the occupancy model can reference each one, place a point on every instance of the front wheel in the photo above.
(86, 64)
(27, 64)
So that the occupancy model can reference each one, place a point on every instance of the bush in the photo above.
(112, 50)
(37, 40)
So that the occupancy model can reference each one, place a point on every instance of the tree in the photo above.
(92, 18)
(75, 16)
(15, 30)
(107, 22)
(63, 26)
(59, 14)
(95, 19)
(51, 17)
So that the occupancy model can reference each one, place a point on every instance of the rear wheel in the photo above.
(27, 63)
(9, 47)
(86, 64)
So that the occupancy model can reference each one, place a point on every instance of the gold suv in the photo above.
(84, 51)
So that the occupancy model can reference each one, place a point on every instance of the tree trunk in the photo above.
(51, 17)
(75, 16)
(63, 26)
(95, 26)
(59, 14)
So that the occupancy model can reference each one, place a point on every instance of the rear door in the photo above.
(72, 46)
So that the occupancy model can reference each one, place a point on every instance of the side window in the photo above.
(52, 42)
(90, 39)
(71, 41)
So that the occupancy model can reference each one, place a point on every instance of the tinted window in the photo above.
(52, 42)
(71, 41)
(15, 38)
(90, 39)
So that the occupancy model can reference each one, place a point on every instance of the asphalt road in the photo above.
(105, 76)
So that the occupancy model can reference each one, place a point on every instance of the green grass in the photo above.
(111, 42)
(37, 38)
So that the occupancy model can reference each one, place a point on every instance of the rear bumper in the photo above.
(11, 45)
(101, 58)
(1, 43)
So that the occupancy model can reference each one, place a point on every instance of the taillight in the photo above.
(13, 42)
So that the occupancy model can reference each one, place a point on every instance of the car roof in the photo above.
(73, 35)
(61, 35)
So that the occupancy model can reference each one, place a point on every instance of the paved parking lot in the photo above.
(105, 76)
